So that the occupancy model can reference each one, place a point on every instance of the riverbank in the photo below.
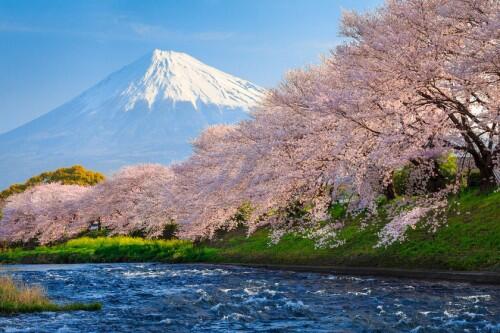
(20, 298)
(108, 250)
(458, 276)
(468, 243)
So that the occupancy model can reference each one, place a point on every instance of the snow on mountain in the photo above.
(146, 112)
(176, 77)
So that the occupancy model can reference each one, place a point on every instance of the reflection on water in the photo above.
(202, 298)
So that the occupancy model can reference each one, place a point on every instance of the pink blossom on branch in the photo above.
(43, 214)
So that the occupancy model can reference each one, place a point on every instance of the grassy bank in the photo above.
(18, 298)
(469, 241)
(113, 249)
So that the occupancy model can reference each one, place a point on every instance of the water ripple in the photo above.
(203, 298)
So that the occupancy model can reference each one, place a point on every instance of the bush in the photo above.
(244, 213)
(238, 221)
(448, 167)
(138, 233)
(400, 180)
(337, 210)
(95, 233)
(170, 231)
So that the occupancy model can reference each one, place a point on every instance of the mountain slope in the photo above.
(146, 112)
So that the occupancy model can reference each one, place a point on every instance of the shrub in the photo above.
(170, 231)
(448, 167)
(95, 233)
(137, 233)
(337, 210)
(400, 180)
(244, 213)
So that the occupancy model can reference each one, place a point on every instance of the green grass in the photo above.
(109, 249)
(469, 241)
(19, 298)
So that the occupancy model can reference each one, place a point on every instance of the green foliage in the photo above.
(297, 210)
(95, 233)
(448, 167)
(137, 233)
(241, 217)
(244, 213)
(474, 179)
(75, 175)
(170, 230)
(337, 210)
(400, 179)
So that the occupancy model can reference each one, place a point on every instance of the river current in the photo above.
(206, 298)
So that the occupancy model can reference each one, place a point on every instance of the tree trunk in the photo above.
(436, 181)
(487, 180)
(390, 192)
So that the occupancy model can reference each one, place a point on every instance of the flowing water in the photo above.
(205, 298)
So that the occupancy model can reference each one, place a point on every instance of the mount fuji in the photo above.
(146, 112)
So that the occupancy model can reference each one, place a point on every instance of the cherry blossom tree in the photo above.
(43, 214)
(135, 199)
(418, 78)
(430, 69)
(371, 108)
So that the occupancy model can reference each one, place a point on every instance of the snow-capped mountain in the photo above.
(146, 112)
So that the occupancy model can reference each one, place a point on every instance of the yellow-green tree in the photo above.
(75, 175)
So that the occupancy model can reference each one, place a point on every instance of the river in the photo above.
(206, 298)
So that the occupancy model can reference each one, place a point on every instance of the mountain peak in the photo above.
(148, 111)
(178, 77)
(159, 55)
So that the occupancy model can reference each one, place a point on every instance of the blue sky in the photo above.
(52, 50)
